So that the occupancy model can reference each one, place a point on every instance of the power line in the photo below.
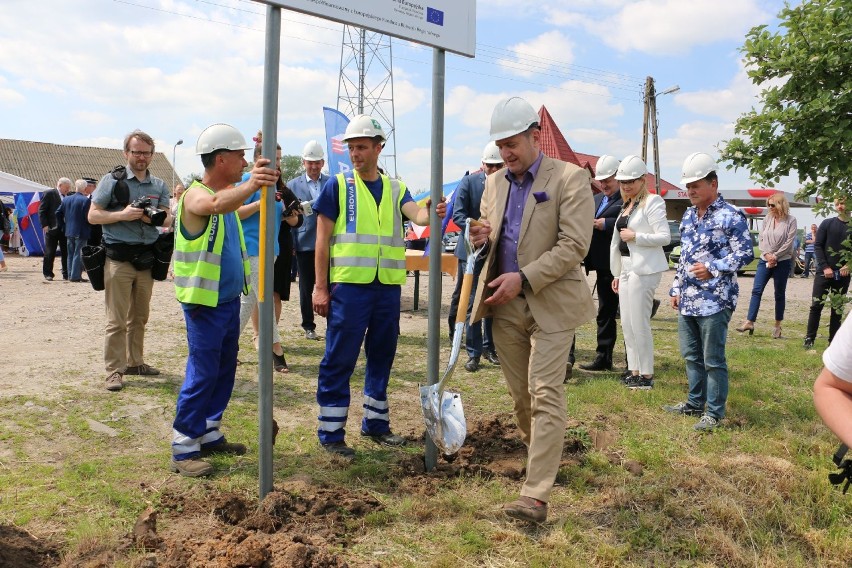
(541, 66)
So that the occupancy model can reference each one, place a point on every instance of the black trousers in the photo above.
(607, 310)
(51, 240)
(822, 286)
(307, 279)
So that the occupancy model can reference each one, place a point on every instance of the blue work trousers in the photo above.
(702, 345)
(359, 313)
(212, 335)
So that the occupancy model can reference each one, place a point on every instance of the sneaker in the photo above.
(312, 335)
(706, 424)
(808, 343)
(49, 278)
(114, 382)
(224, 448)
(639, 382)
(142, 369)
(385, 438)
(683, 408)
(340, 449)
(191, 467)
(626, 375)
(526, 509)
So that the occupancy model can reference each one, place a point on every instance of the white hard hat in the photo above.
(512, 116)
(364, 126)
(312, 152)
(491, 154)
(220, 137)
(606, 167)
(631, 167)
(696, 166)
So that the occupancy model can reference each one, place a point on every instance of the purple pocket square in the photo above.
(540, 196)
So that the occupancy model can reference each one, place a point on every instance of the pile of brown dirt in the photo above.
(20, 549)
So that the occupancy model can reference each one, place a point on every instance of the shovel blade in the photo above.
(444, 417)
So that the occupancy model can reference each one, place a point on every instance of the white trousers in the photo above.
(635, 300)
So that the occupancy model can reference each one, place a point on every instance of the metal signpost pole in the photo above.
(436, 247)
(266, 317)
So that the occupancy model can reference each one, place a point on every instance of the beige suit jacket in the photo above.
(554, 238)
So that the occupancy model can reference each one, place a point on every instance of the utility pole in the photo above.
(651, 124)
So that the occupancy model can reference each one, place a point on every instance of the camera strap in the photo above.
(845, 466)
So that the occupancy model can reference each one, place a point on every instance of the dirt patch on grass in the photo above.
(20, 549)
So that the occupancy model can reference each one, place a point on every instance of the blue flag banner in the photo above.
(26, 210)
(338, 154)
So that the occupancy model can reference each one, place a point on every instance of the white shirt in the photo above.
(838, 357)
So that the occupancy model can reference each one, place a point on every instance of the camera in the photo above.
(157, 216)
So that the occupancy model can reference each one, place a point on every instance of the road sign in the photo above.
(445, 24)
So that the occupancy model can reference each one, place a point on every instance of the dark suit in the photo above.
(304, 241)
(466, 200)
(597, 260)
(54, 234)
(73, 214)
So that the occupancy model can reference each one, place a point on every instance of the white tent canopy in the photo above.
(13, 184)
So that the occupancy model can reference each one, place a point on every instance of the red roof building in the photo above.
(554, 145)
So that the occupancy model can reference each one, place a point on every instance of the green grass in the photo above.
(754, 493)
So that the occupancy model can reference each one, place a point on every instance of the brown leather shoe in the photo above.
(224, 448)
(114, 382)
(142, 369)
(191, 467)
(526, 509)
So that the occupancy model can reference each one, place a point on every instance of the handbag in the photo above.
(94, 259)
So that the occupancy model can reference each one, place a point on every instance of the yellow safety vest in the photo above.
(366, 238)
(198, 262)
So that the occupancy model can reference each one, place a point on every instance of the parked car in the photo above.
(450, 241)
(798, 258)
(674, 229)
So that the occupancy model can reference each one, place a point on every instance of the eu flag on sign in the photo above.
(434, 16)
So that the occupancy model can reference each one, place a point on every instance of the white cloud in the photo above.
(9, 95)
(673, 27)
(540, 55)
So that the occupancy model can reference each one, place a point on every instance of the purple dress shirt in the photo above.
(510, 232)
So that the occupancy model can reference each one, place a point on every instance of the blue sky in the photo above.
(89, 71)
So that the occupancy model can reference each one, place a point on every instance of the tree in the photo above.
(805, 120)
(291, 166)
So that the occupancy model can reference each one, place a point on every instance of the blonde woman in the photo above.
(776, 255)
(638, 262)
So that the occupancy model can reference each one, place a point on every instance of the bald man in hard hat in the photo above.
(360, 269)
(715, 244)
(212, 271)
(537, 225)
(307, 187)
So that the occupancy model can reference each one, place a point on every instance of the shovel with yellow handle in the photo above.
(442, 409)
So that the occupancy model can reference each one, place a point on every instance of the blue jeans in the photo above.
(809, 257)
(779, 274)
(702, 345)
(75, 257)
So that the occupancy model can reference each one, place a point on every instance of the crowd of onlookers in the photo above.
(522, 315)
